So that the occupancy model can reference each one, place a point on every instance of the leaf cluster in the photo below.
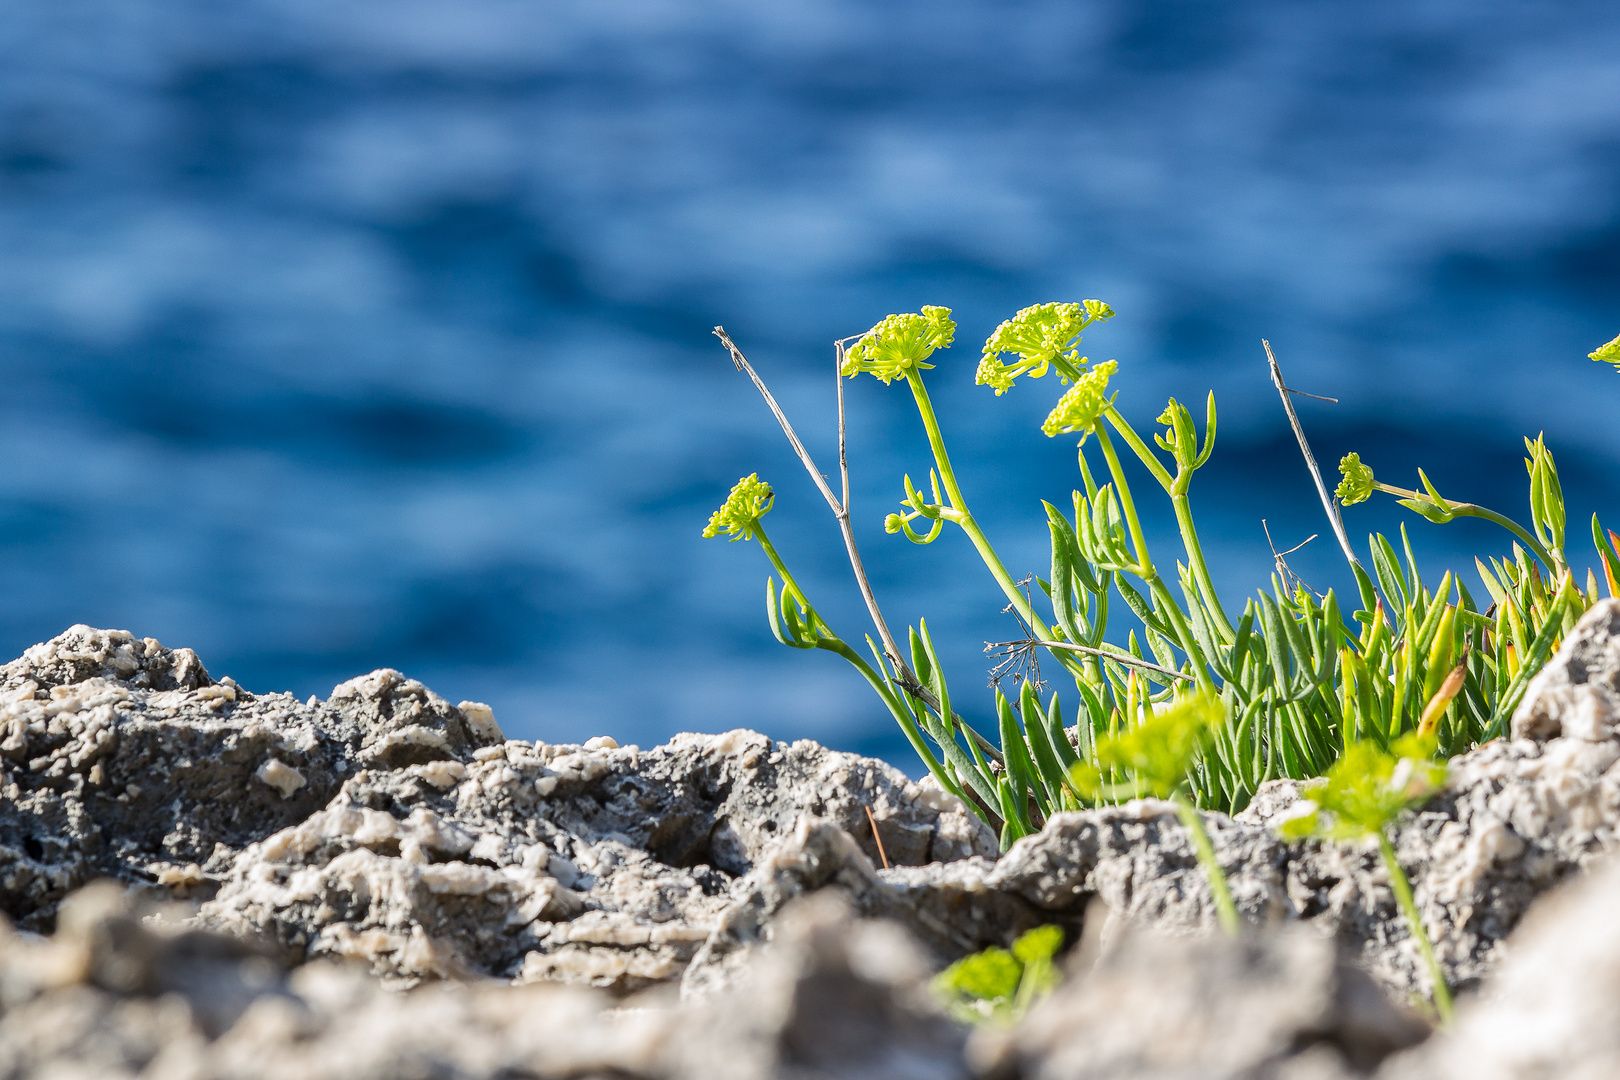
(999, 985)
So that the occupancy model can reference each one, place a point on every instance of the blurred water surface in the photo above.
(341, 335)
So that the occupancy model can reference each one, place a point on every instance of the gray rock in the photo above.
(1152, 1007)
(122, 758)
(113, 995)
(608, 866)
(387, 826)
(1553, 1007)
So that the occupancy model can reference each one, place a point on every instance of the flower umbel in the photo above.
(1155, 754)
(1357, 485)
(899, 344)
(1608, 353)
(1367, 787)
(1079, 408)
(750, 500)
(1039, 337)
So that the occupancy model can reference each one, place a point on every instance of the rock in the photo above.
(389, 827)
(607, 866)
(122, 758)
(115, 996)
(832, 996)
(1552, 1009)
(1155, 1007)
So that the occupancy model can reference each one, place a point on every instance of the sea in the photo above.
(346, 335)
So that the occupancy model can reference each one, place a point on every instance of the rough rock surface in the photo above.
(1553, 1008)
(1145, 1006)
(113, 996)
(386, 833)
(387, 825)
(122, 758)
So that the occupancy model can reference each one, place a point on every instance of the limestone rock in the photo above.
(608, 866)
(121, 758)
(1155, 1007)
(1552, 1009)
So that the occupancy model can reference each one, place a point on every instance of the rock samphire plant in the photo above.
(1291, 685)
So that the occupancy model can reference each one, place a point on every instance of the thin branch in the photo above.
(884, 855)
(1285, 571)
(903, 674)
(1331, 507)
(1108, 654)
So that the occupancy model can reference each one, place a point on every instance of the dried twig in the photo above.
(884, 855)
(1328, 504)
(1286, 572)
(1124, 658)
(903, 675)
(840, 509)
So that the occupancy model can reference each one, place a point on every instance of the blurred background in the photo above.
(338, 335)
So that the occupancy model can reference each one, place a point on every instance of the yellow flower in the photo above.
(1079, 408)
(900, 343)
(750, 500)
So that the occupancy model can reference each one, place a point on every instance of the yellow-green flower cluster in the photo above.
(1079, 408)
(1367, 787)
(1039, 337)
(1357, 483)
(750, 500)
(899, 344)
(1608, 353)
(1156, 753)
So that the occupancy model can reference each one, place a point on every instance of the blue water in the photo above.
(340, 335)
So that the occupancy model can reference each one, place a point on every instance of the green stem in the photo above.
(1224, 908)
(1403, 897)
(959, 513)
(1200, 569)
(1134, 441)
(1144, 568)
(1475, 510)
(827, 640)
(1556, 565)
(964, 516)
(1144, 565)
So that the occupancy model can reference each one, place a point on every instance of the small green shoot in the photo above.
(1153, 758)
(1364, 791)
(999, 985)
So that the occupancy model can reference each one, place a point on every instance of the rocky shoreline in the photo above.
(381, 884)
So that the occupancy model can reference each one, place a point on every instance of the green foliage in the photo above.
(1080, 408)
(1367, 788)
(1297, 682)
(1358, 799)
(1356, 485)
(1153, 756)
(1039, 337)
(1608, 353)
(1000, 985)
